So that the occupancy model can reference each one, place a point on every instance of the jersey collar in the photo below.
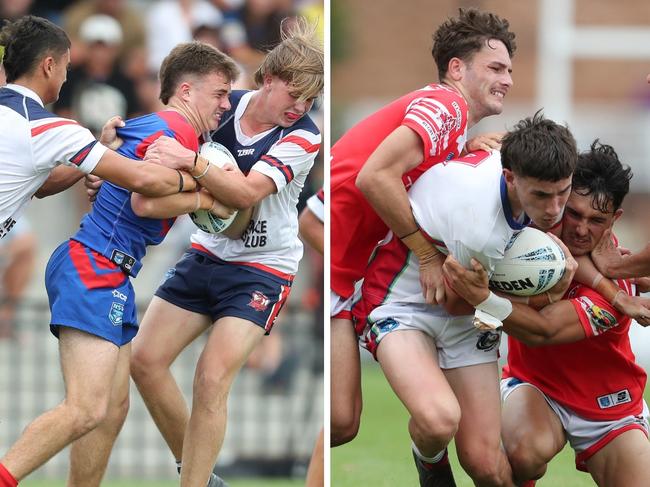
(507, 209)
(25, 92)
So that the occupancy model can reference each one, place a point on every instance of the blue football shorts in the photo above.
(88, 292)
(204, 284)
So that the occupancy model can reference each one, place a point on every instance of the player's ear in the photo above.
(617, 215)
(47, 65)
(183, 91)
(509, 176)
(456, 69)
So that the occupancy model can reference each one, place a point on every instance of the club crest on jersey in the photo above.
(600, 319)
(383, 326)
(259, 301)
(488, 340)
(116, 313)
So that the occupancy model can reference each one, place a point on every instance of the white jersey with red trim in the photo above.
(596, 377)
(285, 155)
(462, 206)
(34, 141)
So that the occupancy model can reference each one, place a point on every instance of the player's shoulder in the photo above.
(23, 105)
(439, 93)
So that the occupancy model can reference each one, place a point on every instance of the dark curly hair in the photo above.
(464, 36)
(539, 148)
(28, 40)
(601, 174)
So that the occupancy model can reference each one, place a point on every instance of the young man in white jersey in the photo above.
(571, 374)
(41, 153)
(374, 163)
(438, 364)
(239, 286)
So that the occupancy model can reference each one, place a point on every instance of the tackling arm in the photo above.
(312, 230)
(60, 179)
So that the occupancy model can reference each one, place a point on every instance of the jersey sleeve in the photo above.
(316, 203)
(433, 120)
(596, 315)
(292, 154)
(62, 141)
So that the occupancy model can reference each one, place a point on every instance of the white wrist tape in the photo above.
(496, 306)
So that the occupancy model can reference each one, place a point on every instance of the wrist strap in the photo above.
(181, 182)
(196, 158)
(198, 201)
(495, 306)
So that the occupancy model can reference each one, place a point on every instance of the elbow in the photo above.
(243, 200)
(142, 207)
(363, 181)
(148, 184)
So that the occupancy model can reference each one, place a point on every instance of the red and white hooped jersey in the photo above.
(462, 206)
(438, 114)
(596, 377)
(35, 141)
(285, 155)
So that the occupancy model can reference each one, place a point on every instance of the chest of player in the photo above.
(246, 154)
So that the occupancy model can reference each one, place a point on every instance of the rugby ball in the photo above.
(533, 263)
(218, 155)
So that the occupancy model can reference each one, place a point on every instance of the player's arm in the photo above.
(60, 179)
(636, 307)
(612, 263)
(239, 225)
(233, 188)
(312, 229)
(380, 181)
(177, 204)
(143, 177)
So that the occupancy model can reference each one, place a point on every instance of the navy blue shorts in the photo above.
(88, 292)
(207, 285)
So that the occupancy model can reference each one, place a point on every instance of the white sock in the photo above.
(434, 459)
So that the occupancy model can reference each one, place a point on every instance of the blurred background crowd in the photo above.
(117, 49)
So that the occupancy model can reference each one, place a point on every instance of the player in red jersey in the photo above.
(571, 374)
(375, 162)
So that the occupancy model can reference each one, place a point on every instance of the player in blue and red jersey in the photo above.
(88, 277)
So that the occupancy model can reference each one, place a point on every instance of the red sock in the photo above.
(529, 483)
(6, 479)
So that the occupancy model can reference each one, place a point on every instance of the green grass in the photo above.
(381, 456)
(234, 483)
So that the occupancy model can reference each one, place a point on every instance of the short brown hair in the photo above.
(193, 58)
(27, 41)
(464, 36)
(298, 60)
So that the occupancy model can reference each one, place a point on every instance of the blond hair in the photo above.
(298, 60)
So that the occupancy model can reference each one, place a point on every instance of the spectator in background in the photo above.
(171, 22)
(17, 256)
(130, 20)
(97, 89)
(14, 9)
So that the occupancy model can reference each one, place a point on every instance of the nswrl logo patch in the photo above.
(116, 313)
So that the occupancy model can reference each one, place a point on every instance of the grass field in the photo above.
(381, 455)
(235, 483)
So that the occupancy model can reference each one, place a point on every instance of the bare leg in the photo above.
(532, 433)
(89, 454)
(164, 332)
(478, 441)
(345, 383)
(622, 462)
(88, 390)
(315, 475)
(409, 361)
(231, 342)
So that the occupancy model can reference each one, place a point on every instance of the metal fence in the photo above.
(273, 417)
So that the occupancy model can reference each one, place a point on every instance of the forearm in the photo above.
(232, 188)
(169, 206)
(312, 230)
(239, 224)
(142, 177)
(60, 179)
(556, 323)
(635, 265)
(388, 197)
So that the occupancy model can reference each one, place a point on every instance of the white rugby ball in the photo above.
(533, 264)
(218, 155)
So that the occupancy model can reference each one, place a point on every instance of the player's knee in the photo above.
(211, 388)
(117, 413)
(141, 364)
(344, 428)
(438, 424)
(525, 461)
(86, 417)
